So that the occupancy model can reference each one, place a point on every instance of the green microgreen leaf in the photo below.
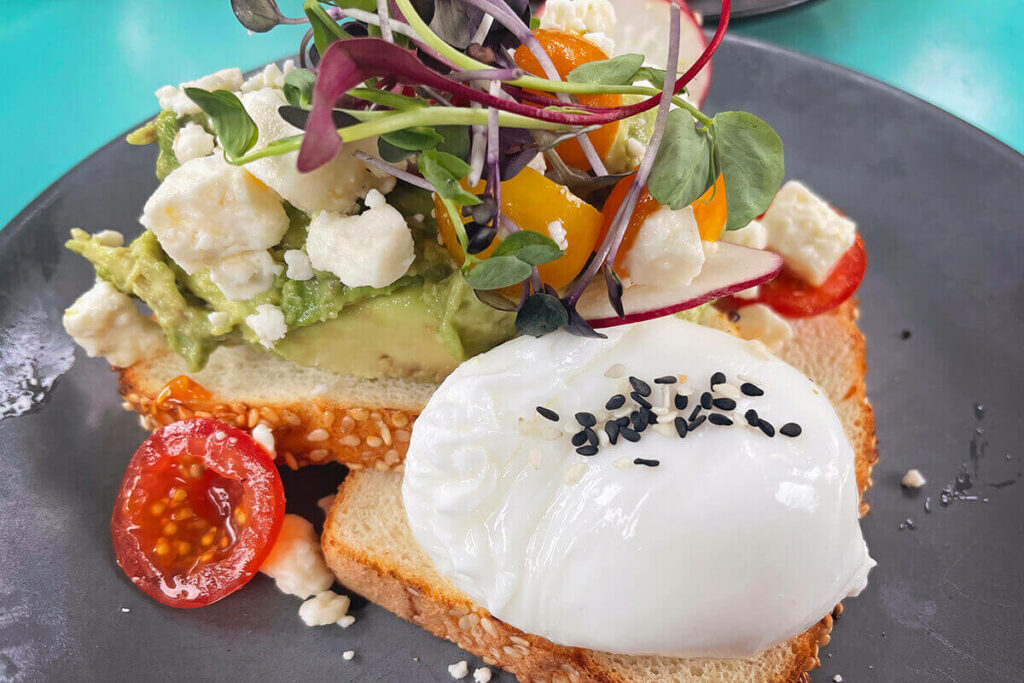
(298, 88)
(530, 247)
(325, 29)
(444, 171)
(365, 5)
(456, 140)
(540, 314)
(534, 23)
(619, 70)
(416, 139)
(388, 99)
(749, 154)
(391, 153)
(235, 129)
(680, 174)
(497, 272)
(652, 75)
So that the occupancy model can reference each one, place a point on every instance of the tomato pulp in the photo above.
(199, 509)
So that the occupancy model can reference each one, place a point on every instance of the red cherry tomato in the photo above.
(793, 297)
(199, 509)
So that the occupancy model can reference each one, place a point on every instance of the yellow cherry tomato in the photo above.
(567, 51)
(534, 202)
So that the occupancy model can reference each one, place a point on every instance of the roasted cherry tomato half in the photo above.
(199, 509)
(567, 51)
(791, 296)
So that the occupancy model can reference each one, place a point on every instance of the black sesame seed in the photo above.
(681, 427)
(642, 387)
(681, 402)
(751, 389)
(586, 419)
(646, 462)
(635, 395)
(615, 402)
(705, 400)
(734, 317)
(548, 413)
(751, 416)
(790, 429)
(611, 428)
(719, 419)
(717, 378)
(667, 379)
(766, 427)
(652, 419)
(587, 450)
(579, 438)
(639, 420)
(724, 404)
(629, 435)
(694, 413)
(591, 437)
(623, 421)
(696, 423)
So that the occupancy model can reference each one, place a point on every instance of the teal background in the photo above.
(81, 72)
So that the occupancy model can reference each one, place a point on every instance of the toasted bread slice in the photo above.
(315, 416)
(370, 547)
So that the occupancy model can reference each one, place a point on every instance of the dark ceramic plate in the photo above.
(940, 207)
(710, 9)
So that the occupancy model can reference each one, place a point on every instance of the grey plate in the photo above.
(711, 9)
(940, 207)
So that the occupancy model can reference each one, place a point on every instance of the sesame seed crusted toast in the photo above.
(370, 547)
(315, 416)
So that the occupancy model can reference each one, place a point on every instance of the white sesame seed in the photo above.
(317, 435)
(574, 473)
(837, 678)
(348, 655)
(665, 429)
(516, 640)
(623, 463)
(757, 349)
(728, 390)
(602, 438)
(488, 626)
(351, 440)
(482, 675)
(666, 395)
(659, 411)
(615, 371)
(125, 610)
(549, 433)
(913, 479)
(459, 669)
(685, 390)
(535, 458)
(748, 378)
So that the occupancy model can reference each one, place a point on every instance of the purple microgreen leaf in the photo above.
(614, 286)
(516, 149)
(541, 314)
(577, 325)
(496, 301)
(484, 212)
(455, 23)
(487, 75)
(338, 74)
(480, 235)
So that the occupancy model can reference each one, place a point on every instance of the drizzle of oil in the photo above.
(33, 356)
(907, 523)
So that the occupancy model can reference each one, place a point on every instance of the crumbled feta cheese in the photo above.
(482, 675)
(268, 324)
(346, 621)
(299, 267)
(207, 210)
(296, 562)
(177, 101)
(334, 187)
(374, 248)
(810, 235)
(913, 479)
(760, 322)
(754, 236)
(243, 276)
(557, 232)
(263, 435)
(192, 142)
(220, 322)
(106, 322)
(538, 164)
(459, 669)
(271, 77)
(347, 655)
(109, 238)
(580, 16)
(667, 249)
(602, 40)
(325, 608)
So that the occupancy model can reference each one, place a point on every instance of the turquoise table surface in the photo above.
(79, 73)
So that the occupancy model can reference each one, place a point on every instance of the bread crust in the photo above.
(828, 348)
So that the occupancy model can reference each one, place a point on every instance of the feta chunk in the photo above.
(760, 322)
(219, 321)
(602, 40)
(268, 324)
(482, 675)
(458, 670)
(913, 479)
(106, 322)
(272, 76)
(207, 210)
(296, 563)
(556, 230)
(538, 164)
(243, 276)
(334, 187)
(667, 249)
(175, 99)
(580, 16)
(324, 608)
(299, 267)
(263, 435)
(372, 249)
(109, 238)
(754, 236)
(347, 655)
(810, 235)
(192, 142)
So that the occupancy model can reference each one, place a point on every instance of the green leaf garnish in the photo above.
(540, 314)
(652, 75)
(415, 139)
(235, 129)
(497, 272)
(749, 154)
(681, 170)
(325, 29)
(530, 247)
(619, 70)
(444, 171)
(298, 88)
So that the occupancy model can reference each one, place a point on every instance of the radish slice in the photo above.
(728, 268)
(641, 26)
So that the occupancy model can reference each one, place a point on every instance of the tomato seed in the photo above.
(170, 529)
(179, 495)
(158, 508)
